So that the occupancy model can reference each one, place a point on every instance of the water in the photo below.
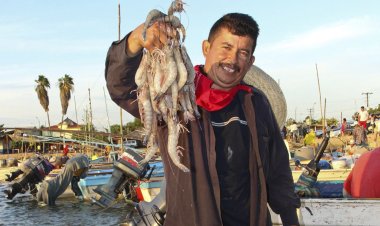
(68, 211)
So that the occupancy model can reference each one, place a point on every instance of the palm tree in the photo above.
(66, 86)
(42, 84)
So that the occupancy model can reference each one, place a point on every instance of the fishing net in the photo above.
(265, 83)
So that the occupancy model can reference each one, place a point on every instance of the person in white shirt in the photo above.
(363, 117)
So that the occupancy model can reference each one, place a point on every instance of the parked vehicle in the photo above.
(133, 143)
(335, 131)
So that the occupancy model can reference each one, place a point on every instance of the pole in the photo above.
(76, 113)
(108, 118)
(320, 98)
(119, 20)
(121, 110)
(90, 116)
(367, 94)
(324, 115)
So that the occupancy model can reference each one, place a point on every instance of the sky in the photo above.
(340, 38)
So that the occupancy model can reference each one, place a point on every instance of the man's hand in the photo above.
(157, 36)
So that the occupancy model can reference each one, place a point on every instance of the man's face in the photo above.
(228, 58)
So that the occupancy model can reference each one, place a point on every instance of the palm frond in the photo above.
(66, 86)
(42, 84)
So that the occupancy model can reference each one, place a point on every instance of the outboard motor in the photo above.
(34, 171)
(149, 213)
(305, 184)
(126, 171)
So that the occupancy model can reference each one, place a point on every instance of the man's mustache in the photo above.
(229, 65)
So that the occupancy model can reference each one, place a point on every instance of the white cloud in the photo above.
(325, 35)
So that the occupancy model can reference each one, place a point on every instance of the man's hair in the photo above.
(238, 24)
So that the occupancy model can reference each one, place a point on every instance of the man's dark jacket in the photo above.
(194, 198)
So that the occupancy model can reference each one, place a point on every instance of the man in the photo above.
(237, 159)
(343, 127)
(363, 117)
(75, 168)
(294, 131)
(353, 149)
(359, 134)
(363, 180)
(310, 138)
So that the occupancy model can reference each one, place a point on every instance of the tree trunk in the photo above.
(47, 113)
(63, 137)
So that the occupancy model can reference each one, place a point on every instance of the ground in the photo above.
(338, 142)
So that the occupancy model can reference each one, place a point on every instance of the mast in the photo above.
(90, 115)
(320, 99)
(121, 110)
(108, 118)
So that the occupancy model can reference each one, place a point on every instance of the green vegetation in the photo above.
(43, 97)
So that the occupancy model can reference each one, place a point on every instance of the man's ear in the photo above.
(205, 47)
(252, 60)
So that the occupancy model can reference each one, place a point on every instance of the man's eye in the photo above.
(244, 54)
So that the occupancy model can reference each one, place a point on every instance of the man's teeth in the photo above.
(229, 69)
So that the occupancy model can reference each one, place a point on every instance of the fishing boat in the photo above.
(336, 211)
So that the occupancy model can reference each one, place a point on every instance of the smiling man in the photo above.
(237, 159)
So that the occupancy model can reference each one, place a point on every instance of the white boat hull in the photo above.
(336, 212)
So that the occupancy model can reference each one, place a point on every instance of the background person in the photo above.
(363, 180)
(343, 127)
(310, 138)
(363, 117)
(353, 149)
(359, 135)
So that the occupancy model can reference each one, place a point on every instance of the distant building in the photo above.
(5, 141)
(66, 125)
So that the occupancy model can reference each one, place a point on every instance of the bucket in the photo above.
(339, 164)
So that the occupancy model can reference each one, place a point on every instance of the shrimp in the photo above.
(152, 146)
(141, 73)
(187, 115)
(175, 22)
(153, 15)
(182, 72)
(189, 87)
(173, 150)
(174, 92)
(158, 57)
(171, 72)
(146, 111)
(175, 6)
(163, 109)
(152, 93)
(188, 64)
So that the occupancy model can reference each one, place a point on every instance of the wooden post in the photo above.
(121, 110)
(108, 119)
(320, 99)
(324, 114)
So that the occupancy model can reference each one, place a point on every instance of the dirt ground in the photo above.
(338, 142)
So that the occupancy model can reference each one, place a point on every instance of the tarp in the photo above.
(50, 190)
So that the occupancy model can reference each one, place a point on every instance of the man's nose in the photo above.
(233, 57)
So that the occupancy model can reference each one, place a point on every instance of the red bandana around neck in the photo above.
(213, 99)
